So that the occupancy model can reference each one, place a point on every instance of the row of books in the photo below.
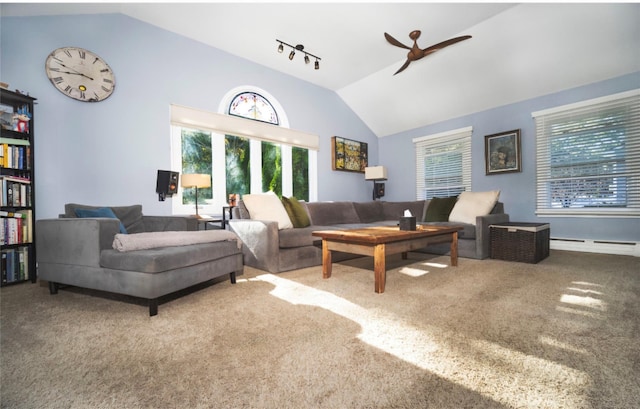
(15, 265)
(16, 227)
(15, 153)
(15, 191)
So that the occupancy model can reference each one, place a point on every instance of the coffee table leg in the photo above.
(326, 260)
(454, 249)
(379, 268)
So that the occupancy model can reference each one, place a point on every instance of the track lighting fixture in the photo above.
(300, 48)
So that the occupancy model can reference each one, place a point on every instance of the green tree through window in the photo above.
(196, 158)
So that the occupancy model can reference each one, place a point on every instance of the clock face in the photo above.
(80, 74)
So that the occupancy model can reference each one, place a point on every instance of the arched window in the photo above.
(254, 106)
(240, 163)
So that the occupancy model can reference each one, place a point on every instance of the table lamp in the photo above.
(197, 180)
(376, 173)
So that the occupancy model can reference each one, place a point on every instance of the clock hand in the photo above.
(76, 71)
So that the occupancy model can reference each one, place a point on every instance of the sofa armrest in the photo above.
(482, 232)
(169, 223)
(74, 241)
(261, 242)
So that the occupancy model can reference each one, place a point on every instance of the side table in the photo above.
(519, 241)
(226, 210)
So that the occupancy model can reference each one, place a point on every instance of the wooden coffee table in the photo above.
(382, 241)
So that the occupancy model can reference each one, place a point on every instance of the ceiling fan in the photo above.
(415, 53)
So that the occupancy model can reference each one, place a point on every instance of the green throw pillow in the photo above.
(297, 213)
(439, 209)
(101, 212)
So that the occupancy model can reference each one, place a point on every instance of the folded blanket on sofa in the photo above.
(141, 241)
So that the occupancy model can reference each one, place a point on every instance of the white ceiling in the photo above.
(518, 51)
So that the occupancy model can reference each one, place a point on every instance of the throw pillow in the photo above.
(296, 212)
(473, 204)
(100, 212)
(439, 209)
(267, 206)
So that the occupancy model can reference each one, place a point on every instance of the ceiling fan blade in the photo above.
(395, 42)
(406, 64)
(443, 44)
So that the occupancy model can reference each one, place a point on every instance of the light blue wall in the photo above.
(109, 152)
(517, 190)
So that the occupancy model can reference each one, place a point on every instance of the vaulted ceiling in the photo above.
(517, 51)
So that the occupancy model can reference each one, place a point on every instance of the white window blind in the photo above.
(443, 164)
(588, 157)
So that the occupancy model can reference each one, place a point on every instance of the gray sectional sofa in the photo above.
(268, 248)
(81, 252)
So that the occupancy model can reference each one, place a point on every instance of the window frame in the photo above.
(448, 138)
(548, 119)
(221, 124)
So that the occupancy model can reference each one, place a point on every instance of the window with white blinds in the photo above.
(588, 157)
(443, 164)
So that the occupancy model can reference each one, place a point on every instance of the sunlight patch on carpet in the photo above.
(582, 301)
(418, 272)
(547, 340)
(499, 373)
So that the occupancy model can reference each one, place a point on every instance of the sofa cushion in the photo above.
(369, 211)
(130, 216)
(100, 212)
(166, 258)
(439, 208)
(267, 206)
(468, 231)
(395, 210)
(296, 211)
(473, 204)
(240, 211)
(328, 213)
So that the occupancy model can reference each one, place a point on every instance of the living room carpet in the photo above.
(563, 333)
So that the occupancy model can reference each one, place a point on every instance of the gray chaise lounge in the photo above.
(79, 252)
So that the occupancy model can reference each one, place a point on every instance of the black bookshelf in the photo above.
(17, 186)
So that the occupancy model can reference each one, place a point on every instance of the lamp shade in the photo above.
(375, 173)
(198, 180)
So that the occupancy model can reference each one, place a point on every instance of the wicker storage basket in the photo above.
(519, 241)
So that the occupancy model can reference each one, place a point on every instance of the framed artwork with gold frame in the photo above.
(348, 155)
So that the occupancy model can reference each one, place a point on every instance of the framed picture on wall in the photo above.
(502, 152)
(348, 155)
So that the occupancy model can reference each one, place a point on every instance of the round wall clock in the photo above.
(80, 74)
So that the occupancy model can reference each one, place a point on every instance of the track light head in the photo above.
(280, 48)
(317, 65)
(292, 54)
(306, 59)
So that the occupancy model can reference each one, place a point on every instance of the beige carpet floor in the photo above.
(563, 333)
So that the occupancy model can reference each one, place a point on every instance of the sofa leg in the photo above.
(232, 277)
(53, 288)
(153, 307)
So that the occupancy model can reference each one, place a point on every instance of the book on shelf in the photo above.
(14, 265)
(15, 154)
(16, 227)
(16, 191)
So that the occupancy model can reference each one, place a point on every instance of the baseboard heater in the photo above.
(624, 248)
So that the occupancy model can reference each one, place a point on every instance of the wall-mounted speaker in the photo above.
(166, 184)
(378, 190)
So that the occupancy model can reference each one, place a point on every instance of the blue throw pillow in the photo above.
(101, 212)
